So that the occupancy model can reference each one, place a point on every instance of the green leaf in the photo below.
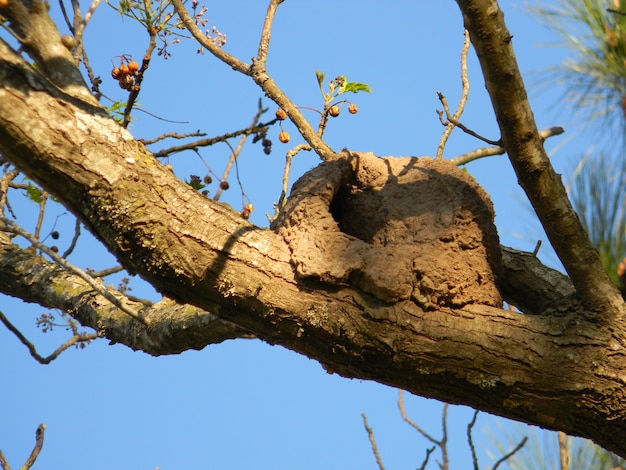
(355, 87)
(34, 193)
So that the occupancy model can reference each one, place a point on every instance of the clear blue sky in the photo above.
(244, 404)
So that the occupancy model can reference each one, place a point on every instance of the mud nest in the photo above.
(415, 229)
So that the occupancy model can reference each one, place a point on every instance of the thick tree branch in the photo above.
(170, 327)
(493, 43)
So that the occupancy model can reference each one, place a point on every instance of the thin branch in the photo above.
(107, 272)
(563, 457)
(12, 227)
(213, 140)
(75, 339)
(171, 135)
(4, 465)
(470, 441)
(491, 151)
(287, 170)
(264, 43)
(411, 423)
(456, 123)
(505, 457)
(429, 451)
(444, 439)
(464, 95)
(136, 87)
(70, 248)
(39, 434)
(207, 43)
(80, 23)
(235, 152)
(370, 434)
(42, 208)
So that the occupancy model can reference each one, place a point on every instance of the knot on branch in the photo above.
(414, 229)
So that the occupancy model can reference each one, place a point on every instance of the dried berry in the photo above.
(284, 137)
(133, 67)
(224, 185)
(55, 235)
(207, 179)
(353, 108)
(124, 70)
(334, 111)
(247, 210)
(115, 73)
(280, 114)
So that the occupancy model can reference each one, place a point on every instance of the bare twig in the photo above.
(498, 150)
(12, 227)
(470, 441)
(287, 169)
(370, 434)
(172, 135)
(563, 457)
(80, 22)
(411, 422)
(429, 451)
(505, 457)
(74, 240)
(42, 209)
(235, 152)
(75, 339)
(464, 94)
(38, 445)
(441, 443)
(213, 140)
(455, 122)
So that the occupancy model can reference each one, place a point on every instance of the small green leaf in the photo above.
(355, 87)
(34, 193)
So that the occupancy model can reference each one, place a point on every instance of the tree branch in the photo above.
(203, 253)
(260, 76)
(497, 150)
(39, 434)
(173, 327)
(524, 145)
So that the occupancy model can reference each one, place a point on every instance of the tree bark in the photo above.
(561, 367)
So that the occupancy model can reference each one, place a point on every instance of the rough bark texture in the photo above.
(563, 367)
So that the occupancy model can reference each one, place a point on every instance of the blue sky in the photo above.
(244, 404)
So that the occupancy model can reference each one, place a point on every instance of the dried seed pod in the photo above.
(281, 114)
(353, 108)
(334, 111)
